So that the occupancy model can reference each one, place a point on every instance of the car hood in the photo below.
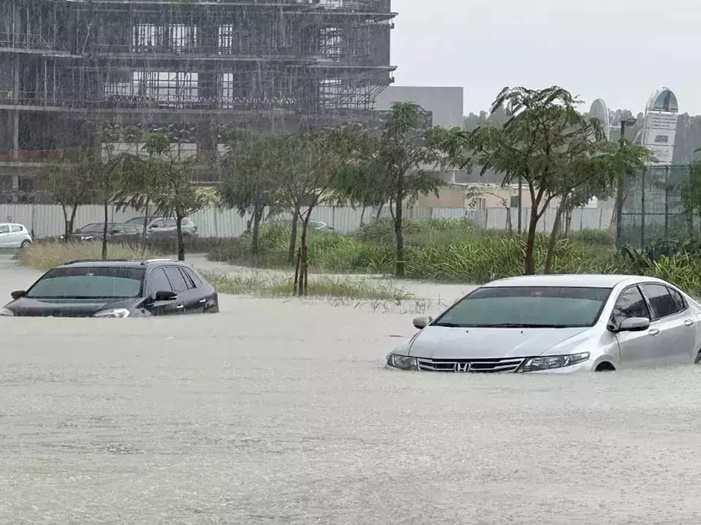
(26, 307)
(485, 343)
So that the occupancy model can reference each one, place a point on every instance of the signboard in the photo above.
(660, 130)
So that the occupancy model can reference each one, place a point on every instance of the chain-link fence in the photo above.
(652, 208)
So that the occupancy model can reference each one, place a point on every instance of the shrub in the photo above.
(271, 286)
(46, 255)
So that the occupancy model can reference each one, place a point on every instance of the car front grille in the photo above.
(473, 366)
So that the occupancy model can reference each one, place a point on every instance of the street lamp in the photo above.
(627, 123)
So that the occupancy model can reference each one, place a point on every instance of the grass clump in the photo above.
(46, 255)
(323, 287)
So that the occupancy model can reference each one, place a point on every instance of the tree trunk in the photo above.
(71, 222)
(293, 237)
(66, 224)
(257, 218)
(362, 216)
(379, 210)
(529, 267)
(104, 230)
(399, 235)
(554, 235)
(179, 231)
(301, 282)
(146, 220)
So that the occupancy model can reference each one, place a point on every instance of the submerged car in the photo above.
(115, 289)
(163, 227)
(558, 324)
(115, 232)
(14, 236)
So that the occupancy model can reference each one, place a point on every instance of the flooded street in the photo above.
(277, 412)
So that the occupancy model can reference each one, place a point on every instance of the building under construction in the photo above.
(70, 67)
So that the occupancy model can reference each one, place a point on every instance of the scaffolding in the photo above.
(264, 64)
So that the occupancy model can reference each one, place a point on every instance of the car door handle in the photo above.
(689, 322)
(654, 332)
(202, 301)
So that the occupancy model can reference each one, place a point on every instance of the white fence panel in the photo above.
(47, 220)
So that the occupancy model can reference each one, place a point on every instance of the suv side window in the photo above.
(193, 277)
(176, 279)
(679, 301)
(662, 302)
(630, 304)
(159, 281)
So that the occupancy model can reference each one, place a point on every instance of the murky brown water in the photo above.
(275, 412)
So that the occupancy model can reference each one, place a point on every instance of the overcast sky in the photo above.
(619, 50)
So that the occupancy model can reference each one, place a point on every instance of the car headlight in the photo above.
(115, 312)
(536, 364)
(4, 312)
(402, 362)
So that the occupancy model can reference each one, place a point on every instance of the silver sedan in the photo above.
(558, 324)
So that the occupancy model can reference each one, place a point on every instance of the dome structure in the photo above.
(663, 100)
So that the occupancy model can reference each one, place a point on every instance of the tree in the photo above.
(691, 196)
(359, 185)
(163, 178)
(476, 192)
(550, 146)
(405, 148)
(107, 183)
(306, 166)
(250, 182)
(70, 183)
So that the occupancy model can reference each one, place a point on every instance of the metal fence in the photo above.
(47, 220)
(652, 208)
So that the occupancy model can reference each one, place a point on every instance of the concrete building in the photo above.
(71, 68)
(444, 103)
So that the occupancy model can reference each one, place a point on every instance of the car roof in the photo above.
(86, 263)
(571, 281)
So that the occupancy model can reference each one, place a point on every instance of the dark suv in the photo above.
(116, 289)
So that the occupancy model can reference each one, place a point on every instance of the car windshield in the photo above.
(527, 307)
(89, 283)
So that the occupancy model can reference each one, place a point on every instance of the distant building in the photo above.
(444, 103)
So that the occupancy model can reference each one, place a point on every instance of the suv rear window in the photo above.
(89, 282)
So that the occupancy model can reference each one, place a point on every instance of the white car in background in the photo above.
(14, 235)
(558, 323)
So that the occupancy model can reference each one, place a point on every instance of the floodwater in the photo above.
(276, 412)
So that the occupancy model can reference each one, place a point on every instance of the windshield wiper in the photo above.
(450, 325)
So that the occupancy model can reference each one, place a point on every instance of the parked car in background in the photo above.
(558, 323)
(115, 232)
(159, 227)
(13, 235)
(320, 226)
(115, 289)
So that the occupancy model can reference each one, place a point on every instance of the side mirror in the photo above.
(422, 322)
(114, 232)
(18, 294)
(165, 296)
(634, 324)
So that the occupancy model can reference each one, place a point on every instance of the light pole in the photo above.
(629, 122)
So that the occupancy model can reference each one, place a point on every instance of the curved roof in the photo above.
(663, 100)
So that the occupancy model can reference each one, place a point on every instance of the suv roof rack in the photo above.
(156, 260)
(78, 261)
